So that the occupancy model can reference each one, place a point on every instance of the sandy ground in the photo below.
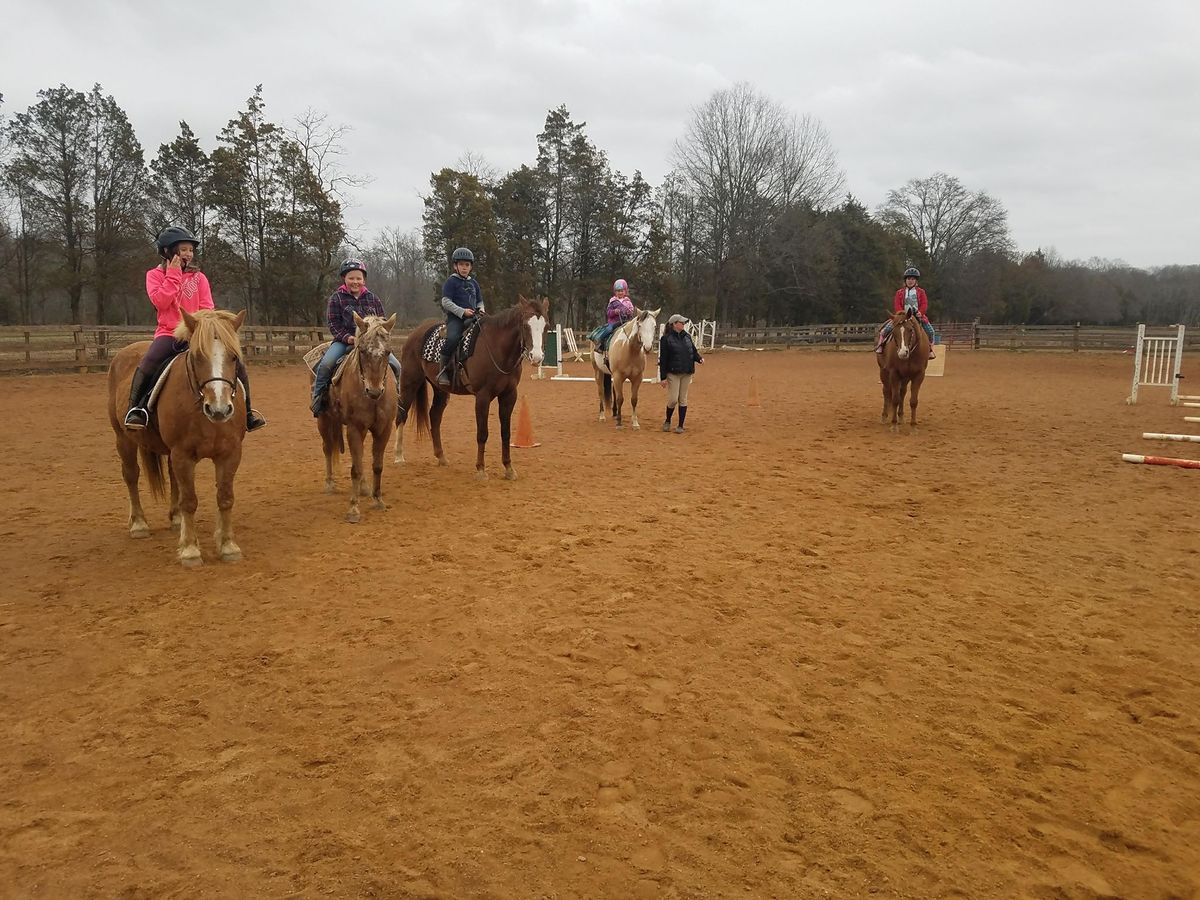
(787, 654)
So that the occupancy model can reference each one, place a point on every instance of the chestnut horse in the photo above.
(626, 360)
(199, 414)
(364, 401)
(901, 364)
(493, 371)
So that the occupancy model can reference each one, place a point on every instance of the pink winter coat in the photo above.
(174, 289)
(619, 310)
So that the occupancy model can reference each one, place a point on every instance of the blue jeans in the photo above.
(329, 361)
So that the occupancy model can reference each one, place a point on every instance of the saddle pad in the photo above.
(312, 359)
(431, 350)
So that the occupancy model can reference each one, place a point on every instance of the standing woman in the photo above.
(174, 285)
(677, 359)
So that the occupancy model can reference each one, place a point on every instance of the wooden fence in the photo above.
(88, 348)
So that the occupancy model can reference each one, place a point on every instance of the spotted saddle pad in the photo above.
(431, 350)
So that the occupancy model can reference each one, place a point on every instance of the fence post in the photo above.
(27, 357)
(975, 334)
(102, 343)
(1075, 338)
(80, 349)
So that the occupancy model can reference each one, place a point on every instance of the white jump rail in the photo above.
(1157, 436)
(1157, 361)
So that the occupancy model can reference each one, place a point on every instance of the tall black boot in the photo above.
(254, 419)
(667, 421)
(137, 417)
(682, 416)
(444, 376)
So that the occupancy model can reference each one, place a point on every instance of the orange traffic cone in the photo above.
(523, 439)
(753, 401)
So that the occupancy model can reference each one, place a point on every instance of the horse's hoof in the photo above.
(620, 427)
(636, 427)
(510, 475)
(231, 556)
(137, 532)
(481, 475)
(190, 561)
(442, 461)
(379, 504)
(353, 518)
(330, 488)
(400, 460)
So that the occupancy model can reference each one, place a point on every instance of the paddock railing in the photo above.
(88, 348)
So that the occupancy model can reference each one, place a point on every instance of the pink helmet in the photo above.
(620, 285)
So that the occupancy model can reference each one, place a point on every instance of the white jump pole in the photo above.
(1191, 404)
(1191, 418)
(1161, 461)
(1155, 436)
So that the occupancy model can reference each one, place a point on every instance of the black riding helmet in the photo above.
(172, 235)
(462, 254)
(912, 272)
(349, 265)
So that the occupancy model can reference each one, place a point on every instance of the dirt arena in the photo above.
(787, 654)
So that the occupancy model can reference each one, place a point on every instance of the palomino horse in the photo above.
(626, 360)
(200, 414)
(902, 362)
(364, 400)
(493, 371)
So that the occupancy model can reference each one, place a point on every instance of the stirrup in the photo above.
(317, 406)
(137, 418)
(444, 376)
(255, 420)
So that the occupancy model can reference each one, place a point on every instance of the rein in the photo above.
(198, 386)
(522, 349)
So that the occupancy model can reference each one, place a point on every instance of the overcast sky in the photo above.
(1082, 118)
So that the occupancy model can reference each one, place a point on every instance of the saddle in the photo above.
(312, 359)
(435, 341)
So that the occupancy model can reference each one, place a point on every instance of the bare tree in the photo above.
(948, 221)
(746, 159)
(476, 164)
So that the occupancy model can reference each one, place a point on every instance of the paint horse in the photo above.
(626, 360)
(363, 399)
(902, 367)
(198, 413)
(492, 371)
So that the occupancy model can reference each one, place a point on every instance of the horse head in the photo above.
(213, 352)
(371, 340)
(647, 327)
(535, 312)
(905, 336)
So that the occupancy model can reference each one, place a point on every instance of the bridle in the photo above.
(198, 386)
(523, 349)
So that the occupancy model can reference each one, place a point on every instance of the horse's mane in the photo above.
(211, 324)
(506, 317)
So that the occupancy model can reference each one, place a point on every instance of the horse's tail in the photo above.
(152, 465)
(420, 405)
(608, 388)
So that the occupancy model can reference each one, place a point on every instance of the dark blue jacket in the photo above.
(463, 293)
(677, 354)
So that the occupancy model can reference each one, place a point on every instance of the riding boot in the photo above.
(682, 416)
(137, 417)
(444, 375)
(666, 426)
(254, 419)
(320, 391)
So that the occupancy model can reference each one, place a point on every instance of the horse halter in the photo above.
(198, 386)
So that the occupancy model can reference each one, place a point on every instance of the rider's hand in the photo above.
(468, 313)
(174, 263)
(350, 339)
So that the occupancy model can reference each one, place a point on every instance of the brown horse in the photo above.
(200, 414)
(626, 360)
(493, 371)
(364, 401)
(901, 364)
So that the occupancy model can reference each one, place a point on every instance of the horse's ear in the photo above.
(390, 323)
(545, 307)
(521, 299)
(656, 312)
(239, 320)
(358, 322)
(189, 320)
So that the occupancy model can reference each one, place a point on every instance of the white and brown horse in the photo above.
(363, 400)
(626, 361)
(200, 414)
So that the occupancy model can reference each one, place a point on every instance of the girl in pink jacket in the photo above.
(174, 286)
(620, 310)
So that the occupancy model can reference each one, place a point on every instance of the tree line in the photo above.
(752, 225)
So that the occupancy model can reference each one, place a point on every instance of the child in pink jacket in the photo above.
(173, 286)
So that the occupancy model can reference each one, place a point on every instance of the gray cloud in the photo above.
(1080, 118)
